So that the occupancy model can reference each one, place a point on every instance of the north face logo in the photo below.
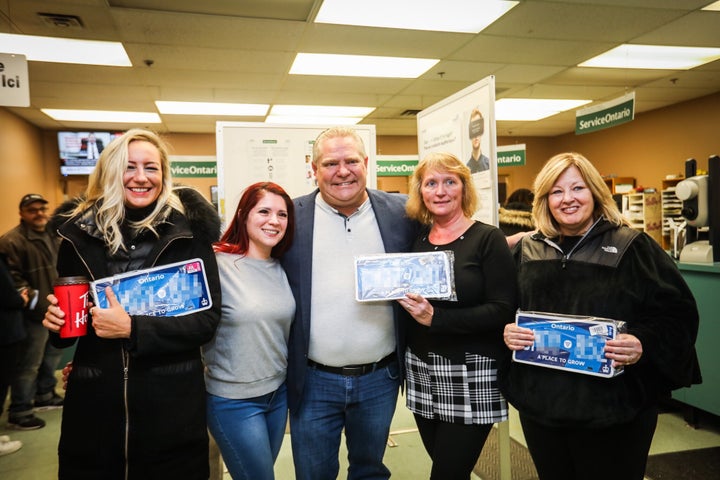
(610, 249)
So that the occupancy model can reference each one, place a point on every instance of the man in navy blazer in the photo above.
(344, 357)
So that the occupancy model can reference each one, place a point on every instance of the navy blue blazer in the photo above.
(397, 232)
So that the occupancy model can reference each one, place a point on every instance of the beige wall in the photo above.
(655, 144)
(22, 166)
(393, 184)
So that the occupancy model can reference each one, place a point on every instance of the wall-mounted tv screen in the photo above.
(79, 151)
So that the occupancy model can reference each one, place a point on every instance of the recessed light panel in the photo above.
(461, 16)
(317, 114)
(654, 57)
(212, 108)
(321, 110)
(66, 50)
(104, 116)
(312, 120)
(360, 65)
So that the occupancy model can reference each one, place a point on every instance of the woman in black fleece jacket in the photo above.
(585, 261)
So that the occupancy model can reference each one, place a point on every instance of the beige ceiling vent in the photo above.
(410, 113)
(60, 20)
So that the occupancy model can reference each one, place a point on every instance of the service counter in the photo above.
(704, 281)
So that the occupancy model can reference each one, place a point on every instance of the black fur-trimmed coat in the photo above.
(515, 218)
(138, 404)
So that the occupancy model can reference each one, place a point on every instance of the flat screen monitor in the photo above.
(79, 151)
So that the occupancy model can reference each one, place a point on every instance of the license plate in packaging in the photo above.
(168, 290)
(572, 343)
(390, 276)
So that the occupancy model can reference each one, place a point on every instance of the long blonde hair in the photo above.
(106, 191)
(441, 162)
(548, 175)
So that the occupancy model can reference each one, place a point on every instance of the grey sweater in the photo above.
(248, 356)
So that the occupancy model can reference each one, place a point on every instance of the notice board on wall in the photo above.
(250, 152)
(459, 125)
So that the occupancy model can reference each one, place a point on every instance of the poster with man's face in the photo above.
(475, 153)
(464, 125)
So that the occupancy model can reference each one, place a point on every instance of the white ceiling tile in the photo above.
(241, 51)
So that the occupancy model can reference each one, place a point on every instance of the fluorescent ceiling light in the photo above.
(320, 111)
(212, 108)
(360, 65)
(714, 7)
(464, 16)
(530, 109)
(654, 57)
(317, 114)
(105, 116)
(312, 120)
(66, 50)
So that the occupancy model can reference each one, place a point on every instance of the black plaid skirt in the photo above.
(455, 393)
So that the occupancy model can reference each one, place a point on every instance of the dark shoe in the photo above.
(55, 402)
(28, 422)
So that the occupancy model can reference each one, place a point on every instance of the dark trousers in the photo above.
(36, 371)
(618, 452)
(8, 369)
(454, 449)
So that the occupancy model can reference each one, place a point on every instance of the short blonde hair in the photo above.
(337, 132)
(548, 175)
(446, 163)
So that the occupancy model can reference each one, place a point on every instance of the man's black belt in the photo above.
(354, 370)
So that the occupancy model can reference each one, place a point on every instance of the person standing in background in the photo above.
(92, 147)
(453, 346)
(586, 261)
(135, 405)
(478, 161)
(12, 331)
(31, 252)
(516, 215)
(246, 361)
(344, 368)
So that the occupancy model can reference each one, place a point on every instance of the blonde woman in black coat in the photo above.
(135, 399)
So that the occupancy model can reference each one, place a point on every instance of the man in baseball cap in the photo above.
(34, 213)
(31, 253)
(31, 198)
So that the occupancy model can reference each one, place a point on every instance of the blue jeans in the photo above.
(364, 405)
(249, 432)
(46, 379)
(37, 361)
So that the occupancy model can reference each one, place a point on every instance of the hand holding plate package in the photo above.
(390, 276)
(165, 291)
(569, 342)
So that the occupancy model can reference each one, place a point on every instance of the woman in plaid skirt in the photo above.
(453, 345)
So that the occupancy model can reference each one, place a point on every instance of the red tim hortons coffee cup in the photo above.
(73, 294)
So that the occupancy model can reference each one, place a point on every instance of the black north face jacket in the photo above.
(616, 273)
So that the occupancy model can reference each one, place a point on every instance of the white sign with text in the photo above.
(14, 81)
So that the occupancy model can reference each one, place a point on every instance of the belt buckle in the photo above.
(353, 371)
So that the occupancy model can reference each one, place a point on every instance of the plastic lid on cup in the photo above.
(75, 280)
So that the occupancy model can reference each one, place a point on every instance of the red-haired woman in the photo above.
(247, 359)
